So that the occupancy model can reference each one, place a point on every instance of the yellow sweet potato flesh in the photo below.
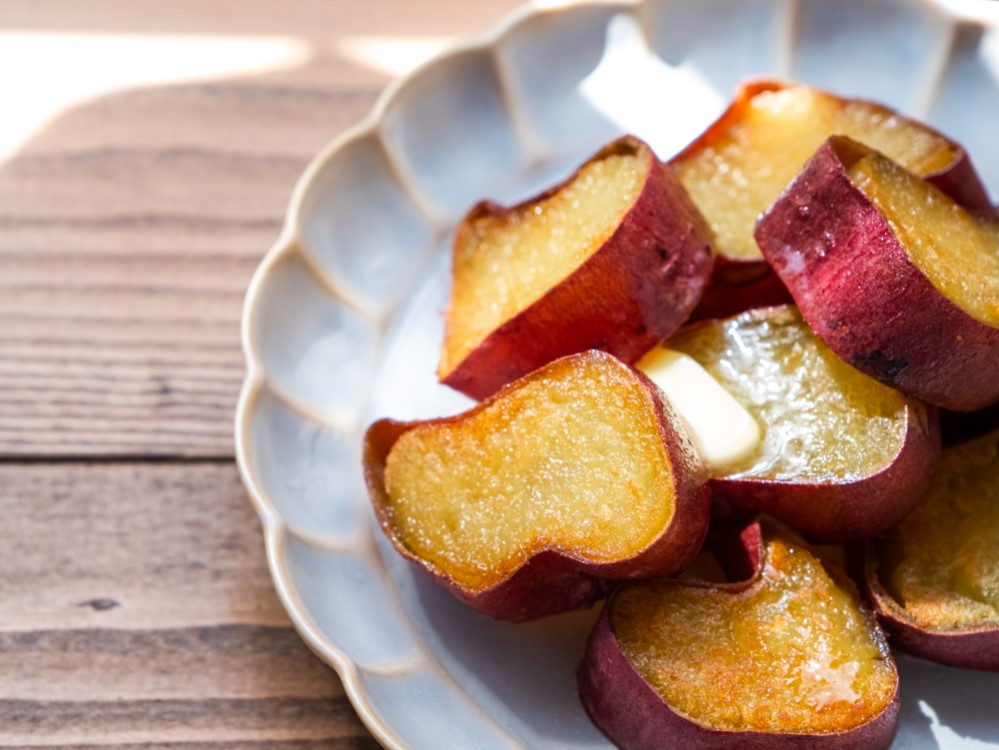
(941, 564)
(793, 653)
(571, 458)
(741, 174)
(956, 251)
(508, 261)
(822, 420)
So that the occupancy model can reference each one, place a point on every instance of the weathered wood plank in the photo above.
(175, 545)
(315, 18)
(187, 663)
(41, 723)
(129, 229)
(130, 224)
(138, 608)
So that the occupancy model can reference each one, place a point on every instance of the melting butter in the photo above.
(722, 431)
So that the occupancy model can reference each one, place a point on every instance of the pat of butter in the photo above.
(722, 431)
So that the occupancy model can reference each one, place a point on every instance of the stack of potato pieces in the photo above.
(742, 352)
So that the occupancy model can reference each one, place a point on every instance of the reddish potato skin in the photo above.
(834, 513)
(971, 648)
(739, 284)
(553, 581)
(860, 293)
(629, 295)
(635, 717)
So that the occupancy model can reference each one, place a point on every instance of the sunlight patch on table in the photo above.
(45, 74)
(394, 56)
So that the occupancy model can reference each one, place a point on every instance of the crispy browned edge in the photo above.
(635, 717)
(970, 647)
(739, 284)
(856, 286)
(552, 580)
(638, 287)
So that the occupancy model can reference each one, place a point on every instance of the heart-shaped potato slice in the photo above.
(842, 456)
(615, 258)
(892, 274)
(934, 578)
(786, 659)
(529, 503)
(736, 169)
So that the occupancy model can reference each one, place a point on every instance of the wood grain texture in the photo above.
(124, 257)
(137, 608)
(130, 224)
(173, 545)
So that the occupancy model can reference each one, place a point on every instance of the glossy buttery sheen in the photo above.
(510, 261)
(792, 654)
(822, 420)
(739, 175)
(574, 460)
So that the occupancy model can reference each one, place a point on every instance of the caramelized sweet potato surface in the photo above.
(508, 260)
(823, 421)
(579, 471)
(574, 459)
(941, 564)
(793, 653)
(736, 170)
(615, 259)
(842, 456)
(957, 251)
(857, 274)
(787, 658)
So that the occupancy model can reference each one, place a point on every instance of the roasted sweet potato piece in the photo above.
(615, 258)
(738, 167)
(934, 579)
(894, 276)
(842, 455)
(788, 658)
(531, 502)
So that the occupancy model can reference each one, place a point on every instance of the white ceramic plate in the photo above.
(343, 319)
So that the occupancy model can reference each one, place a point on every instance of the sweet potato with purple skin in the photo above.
(934, 579)
(891, 274)
(615, 258)
(785, 659)
(842, 456)
(738, 166)
(535, 500)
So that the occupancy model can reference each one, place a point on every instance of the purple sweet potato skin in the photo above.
(635, 717)
(832, 513)
(860, 293)
(961, 182)
(633, 292)
(971, 648)
(739, 284)
(553, 581)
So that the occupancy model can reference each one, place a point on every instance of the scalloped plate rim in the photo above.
(982, 12)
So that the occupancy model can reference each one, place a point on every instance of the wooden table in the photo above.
(136, 609)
